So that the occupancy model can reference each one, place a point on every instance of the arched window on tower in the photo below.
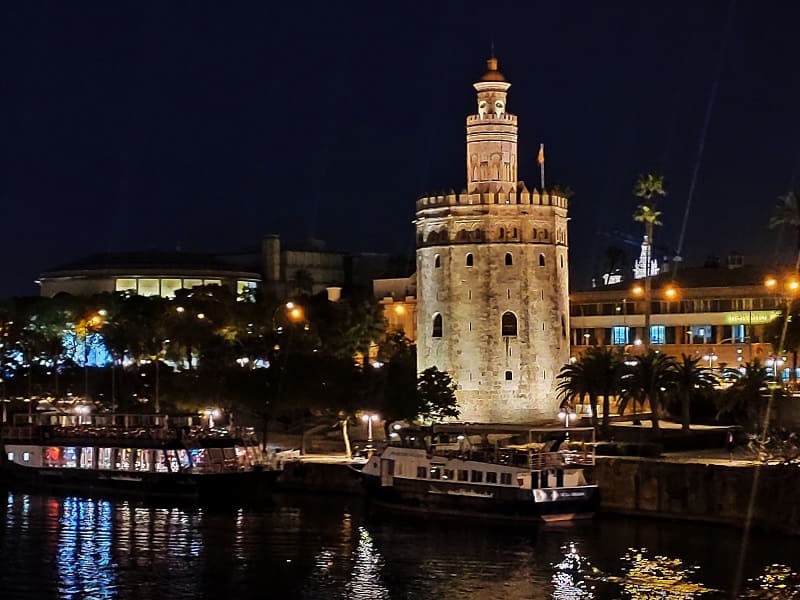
(509, 259)
(509, 324)
(437, 261)
(436, 331)
(470, 260)
(541, 260)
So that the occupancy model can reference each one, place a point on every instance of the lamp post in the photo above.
(294, 314)
(567, 415)
(368, 418)
(791, 287)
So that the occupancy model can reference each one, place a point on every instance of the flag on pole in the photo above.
(540, 160)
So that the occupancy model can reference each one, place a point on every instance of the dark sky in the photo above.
(209, 124)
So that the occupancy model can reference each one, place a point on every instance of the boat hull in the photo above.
(563, 504)
(205, 486)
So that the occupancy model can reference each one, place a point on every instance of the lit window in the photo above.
(124, 285)
(10, 457)
(509, 324)
(437, 326)
(149, 287)
(26, 456)
(212, 282)
(190, 283)
(619, 335)
(169, 287)
(657, 334)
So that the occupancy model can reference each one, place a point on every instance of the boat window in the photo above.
(505, 478)
(449, 474)
(10, 457)
(26, 456)
(104, 458)
(52, 457)
(172, 459)
(477, 476)
(534, 479)
(436, 472)
(198, 457)
(123, 462)
(422, 472)
(158, 461)
(145, 460)
(463, 475)
(491, 477)
(86, 457)
(183, 459)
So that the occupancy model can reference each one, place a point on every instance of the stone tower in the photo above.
(492, 276)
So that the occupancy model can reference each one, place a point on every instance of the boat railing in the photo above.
(562, 458)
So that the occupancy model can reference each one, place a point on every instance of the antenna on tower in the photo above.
(491, 51)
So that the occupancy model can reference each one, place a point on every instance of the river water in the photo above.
(305, 546)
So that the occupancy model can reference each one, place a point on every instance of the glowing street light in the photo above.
(567, 415)
(211, 413)
(369, 418)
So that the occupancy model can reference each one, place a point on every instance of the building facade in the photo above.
(492, 276)
(718, 313)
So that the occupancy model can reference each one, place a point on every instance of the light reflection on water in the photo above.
(305, 547)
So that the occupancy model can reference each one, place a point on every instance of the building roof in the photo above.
(146, 260)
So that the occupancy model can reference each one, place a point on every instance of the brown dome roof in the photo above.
(492, 74)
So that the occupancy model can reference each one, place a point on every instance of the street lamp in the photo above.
(211, 413)
(567, 415)
(368, 418)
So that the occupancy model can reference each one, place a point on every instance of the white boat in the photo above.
(540, 473)
(150, 455)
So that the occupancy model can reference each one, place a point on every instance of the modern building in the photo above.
(145, 273)
(717, 313)
(282, 269)
(492, 275)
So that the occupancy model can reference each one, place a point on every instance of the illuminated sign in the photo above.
(750, 317)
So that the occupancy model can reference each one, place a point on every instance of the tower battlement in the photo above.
(523, 196)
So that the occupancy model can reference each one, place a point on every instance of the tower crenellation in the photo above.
(492, 272)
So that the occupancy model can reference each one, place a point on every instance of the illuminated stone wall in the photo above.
(517, 241)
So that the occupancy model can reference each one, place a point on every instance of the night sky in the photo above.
(203, 125)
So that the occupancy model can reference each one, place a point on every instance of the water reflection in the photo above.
(300, 547)
(85, 567)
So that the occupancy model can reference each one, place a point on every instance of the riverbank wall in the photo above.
(768, 496)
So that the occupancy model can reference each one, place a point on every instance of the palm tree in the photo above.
(742, 401)
(648, 188)
(575, 383)
(649, 378)
(689, 378)
(787, 212)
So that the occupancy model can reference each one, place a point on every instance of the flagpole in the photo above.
(541, 162)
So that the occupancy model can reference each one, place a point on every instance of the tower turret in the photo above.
(491, 136)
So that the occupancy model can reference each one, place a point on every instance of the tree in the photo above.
(742, 401)
(648, 187)
(647, 379)
(787, 214)
(437, 395)
(595, 375)
(576, 383)
(688, 380)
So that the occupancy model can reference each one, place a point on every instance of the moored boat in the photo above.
(537, 474)
(150, 455)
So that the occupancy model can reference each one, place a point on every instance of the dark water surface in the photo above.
(303, 546)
